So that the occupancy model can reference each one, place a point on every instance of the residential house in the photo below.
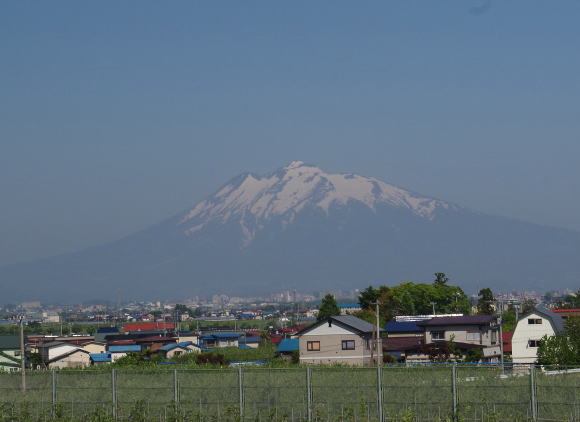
(218, 340)
(176, 349)
(530, 329)
(94, 347)
(287, 348)
(252, 342)
(119, 351)
(567, 313)
(507, 344)
(465, 332)
(404, 329)
(187, 336)
(10, 357)
(342, 339)
(50, 351)
(99, 359)
(349, 308)
(77, 358)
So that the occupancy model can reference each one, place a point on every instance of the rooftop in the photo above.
(459, 320)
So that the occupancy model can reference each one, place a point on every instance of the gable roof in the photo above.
(64, 355)
(399, 344)
(346, 321)
(124, 348)
(458, 320)
(51, 344)
(555, 320)
(100, 357)
(9, 342)
(288, 345)
(403, 327)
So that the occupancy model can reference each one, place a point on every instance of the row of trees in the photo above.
(414, 299)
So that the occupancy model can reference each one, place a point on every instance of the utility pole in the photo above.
(499, 321)
(22, 354)
(379, 357)
(377, 330)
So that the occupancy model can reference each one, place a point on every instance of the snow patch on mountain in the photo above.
(254, 200)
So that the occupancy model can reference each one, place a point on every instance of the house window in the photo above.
(493, 337)
(438, 335)
(533, 343)
(313, 346)
(472, 336)
(347, 344)
(534, 321)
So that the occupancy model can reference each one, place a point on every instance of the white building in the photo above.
(530, 329)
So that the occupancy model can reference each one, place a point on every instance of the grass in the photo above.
(281, 394)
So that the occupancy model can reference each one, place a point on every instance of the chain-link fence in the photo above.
(420, 393)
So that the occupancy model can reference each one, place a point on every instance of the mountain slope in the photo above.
(301, 228)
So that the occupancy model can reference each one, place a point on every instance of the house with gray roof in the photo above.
(530, 329)
(343, 339)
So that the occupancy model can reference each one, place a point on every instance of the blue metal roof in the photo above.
(125, 348)
(349, 305)
(172, 346)
(288, 345)
(403, 327)
(100, 357)
(243, 346)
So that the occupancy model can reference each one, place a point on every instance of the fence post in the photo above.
(53, 382)
(533, 399)
(175, 387)
(454, 389)
(241, 392)
(309, 392)
(380, 393)
(114, 391)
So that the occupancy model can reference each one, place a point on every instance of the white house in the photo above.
(530, 329)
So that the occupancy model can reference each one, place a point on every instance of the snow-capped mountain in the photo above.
(302, 228)
(252, 201)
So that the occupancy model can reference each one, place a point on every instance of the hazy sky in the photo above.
(115, 115)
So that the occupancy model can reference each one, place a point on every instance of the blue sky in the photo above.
(115, 115)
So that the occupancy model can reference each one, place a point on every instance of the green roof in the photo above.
(9, 342)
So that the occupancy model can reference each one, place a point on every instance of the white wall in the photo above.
(524, 332)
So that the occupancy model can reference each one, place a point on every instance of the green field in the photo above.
(291, 394)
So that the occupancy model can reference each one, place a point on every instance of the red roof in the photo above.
(120, 342)
(148, 326)
(506, 338)
(565, 310)
(276, 339)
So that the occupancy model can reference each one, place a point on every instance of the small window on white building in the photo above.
(534, 321)
(438, 335)
(473, 336)
(533, 343)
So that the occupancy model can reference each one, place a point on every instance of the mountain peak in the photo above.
(254, 200)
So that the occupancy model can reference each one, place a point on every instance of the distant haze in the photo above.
(115, 116)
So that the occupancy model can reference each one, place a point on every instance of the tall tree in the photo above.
(485, 302)
(563, 348)
(328, 307)
(367, 297)
(440, 279)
